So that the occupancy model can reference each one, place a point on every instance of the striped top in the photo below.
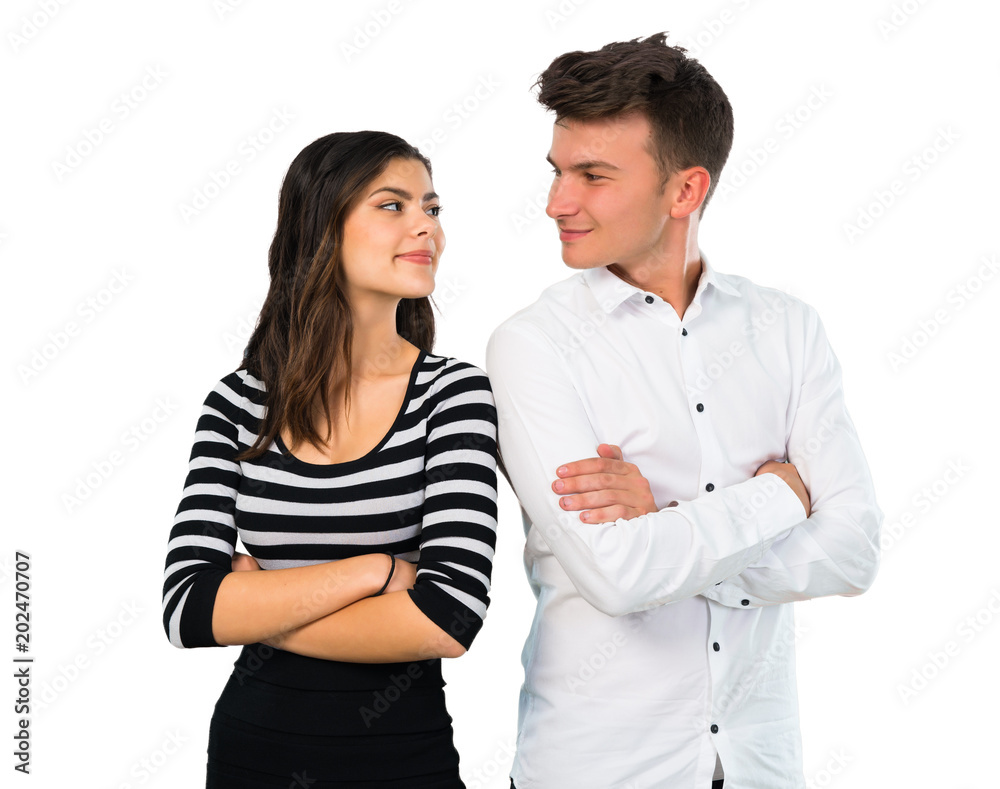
(427, 493)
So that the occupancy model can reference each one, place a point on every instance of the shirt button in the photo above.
(710, 487)
(716, 646)
(684, 332)
(649, 299)
(714, 729)
(700, 407)
(744, 602)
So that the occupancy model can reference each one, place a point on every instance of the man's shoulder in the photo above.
(547, 313)
(762, 298)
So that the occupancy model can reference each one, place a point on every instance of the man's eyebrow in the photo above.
(587, 165)
(404, 194)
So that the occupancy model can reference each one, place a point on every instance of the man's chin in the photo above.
(576, 260)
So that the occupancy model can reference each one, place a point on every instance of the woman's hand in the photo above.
(242, 562)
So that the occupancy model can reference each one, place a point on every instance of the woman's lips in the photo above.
(417, 257)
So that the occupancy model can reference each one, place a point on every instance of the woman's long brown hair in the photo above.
(301, 346)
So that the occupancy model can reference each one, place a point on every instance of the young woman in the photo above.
(359, 469)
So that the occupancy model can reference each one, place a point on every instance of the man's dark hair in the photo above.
(690, 115)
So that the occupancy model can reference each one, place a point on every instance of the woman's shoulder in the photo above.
(455, 387)
(237, 391)
(441, 371)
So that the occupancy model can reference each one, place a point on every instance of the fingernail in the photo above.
(561, 470)
(560, 484)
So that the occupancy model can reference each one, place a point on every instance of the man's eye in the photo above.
(592, 177)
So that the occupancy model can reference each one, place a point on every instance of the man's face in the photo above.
(606, 197)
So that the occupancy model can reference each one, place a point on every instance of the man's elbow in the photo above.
(861, 569)
(860, 572)
(613, 597)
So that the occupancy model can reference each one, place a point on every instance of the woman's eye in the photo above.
(435, 210)
(389, 206)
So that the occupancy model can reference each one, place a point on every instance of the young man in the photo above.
(662, 648)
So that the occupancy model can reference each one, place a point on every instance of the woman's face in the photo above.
(393, 237)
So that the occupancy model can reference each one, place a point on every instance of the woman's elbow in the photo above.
(440, 644)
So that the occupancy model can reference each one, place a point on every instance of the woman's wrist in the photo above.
(388, 574)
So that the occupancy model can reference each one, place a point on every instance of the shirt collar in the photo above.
(610, 291)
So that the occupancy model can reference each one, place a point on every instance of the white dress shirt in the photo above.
(665, 643)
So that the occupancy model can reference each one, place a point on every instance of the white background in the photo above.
(112, 698)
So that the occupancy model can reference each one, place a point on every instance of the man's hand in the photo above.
(790, 475)
(243, 562)
(605, 487)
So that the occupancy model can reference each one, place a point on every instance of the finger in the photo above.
(607, 514)
(592, 466)
(612, 451)
(599, 498)
(584, 483)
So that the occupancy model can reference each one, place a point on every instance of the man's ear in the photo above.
(686, 190)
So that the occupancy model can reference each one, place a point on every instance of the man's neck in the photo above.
(674, 279)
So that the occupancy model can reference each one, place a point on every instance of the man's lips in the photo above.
(571, 234)
(422, 256)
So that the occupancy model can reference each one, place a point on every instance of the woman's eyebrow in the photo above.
(404, 194)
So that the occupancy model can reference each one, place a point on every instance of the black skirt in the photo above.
(284, 720)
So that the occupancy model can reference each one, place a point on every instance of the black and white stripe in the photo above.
(427, 493)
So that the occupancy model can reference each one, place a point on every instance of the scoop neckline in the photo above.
(407, 396)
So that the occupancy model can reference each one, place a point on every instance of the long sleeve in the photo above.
(203, 537)
(835, 551)
(627, 565)
(458, 530)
